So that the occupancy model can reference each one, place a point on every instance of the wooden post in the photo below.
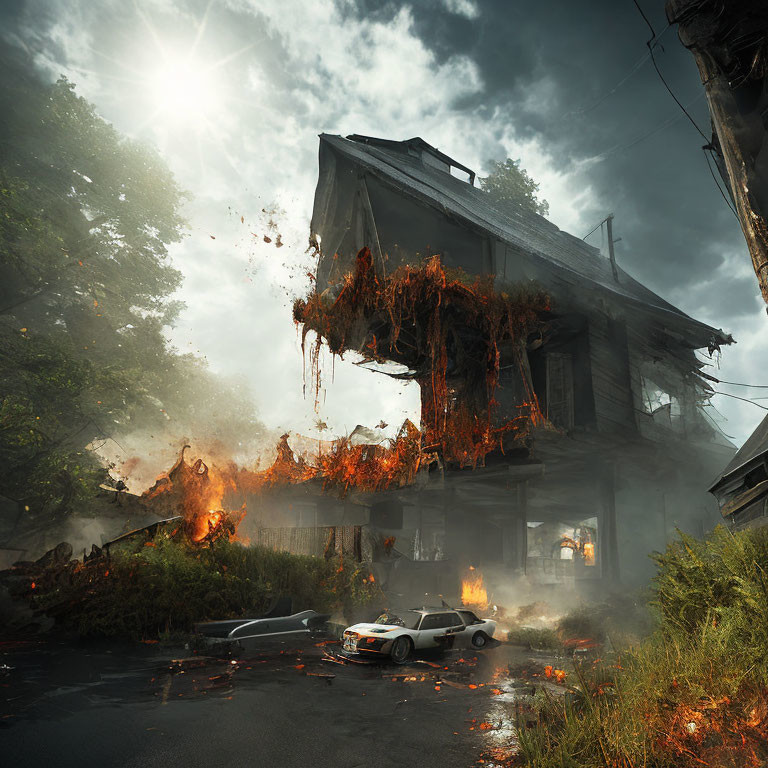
(611, 253)
(515, 532)
(607, 539)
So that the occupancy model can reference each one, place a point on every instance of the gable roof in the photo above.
(753, 450)
(400, 163)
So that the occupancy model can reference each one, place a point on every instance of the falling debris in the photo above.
(423, 317)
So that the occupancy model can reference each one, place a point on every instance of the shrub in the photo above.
(694, 692)
(534, 638)
(167, 586)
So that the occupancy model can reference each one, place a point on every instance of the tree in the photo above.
(509, 186)
(86, 289)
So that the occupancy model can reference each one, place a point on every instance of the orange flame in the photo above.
(473, 591)
(584, 548)
(197, 494)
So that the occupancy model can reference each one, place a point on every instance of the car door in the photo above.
(435, 627)
(471, 625)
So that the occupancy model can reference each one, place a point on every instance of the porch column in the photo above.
(607, 539)
(514, 531)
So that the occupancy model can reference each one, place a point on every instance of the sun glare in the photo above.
(184, 90)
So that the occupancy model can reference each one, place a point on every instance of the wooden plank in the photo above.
(743, 499)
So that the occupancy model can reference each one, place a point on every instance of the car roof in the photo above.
(425, 611)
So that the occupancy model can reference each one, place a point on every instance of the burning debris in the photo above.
(347, 465)
(196, 494)
(584, 546)
(449, 330)
(199, 493)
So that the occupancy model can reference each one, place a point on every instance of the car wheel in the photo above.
(401, 649)
(479, 640)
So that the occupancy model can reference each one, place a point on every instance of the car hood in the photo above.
(372, 628)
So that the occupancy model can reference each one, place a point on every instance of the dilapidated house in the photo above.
(621, 454)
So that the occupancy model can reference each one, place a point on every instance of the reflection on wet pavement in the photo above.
(478, 692)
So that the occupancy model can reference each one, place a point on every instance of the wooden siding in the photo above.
(611, 385)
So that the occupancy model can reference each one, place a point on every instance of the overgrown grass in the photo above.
(535, 638)
(695, 692)
(166, 587)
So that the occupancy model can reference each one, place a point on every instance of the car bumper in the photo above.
(364, 646)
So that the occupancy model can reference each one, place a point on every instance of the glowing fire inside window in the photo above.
(473, 590)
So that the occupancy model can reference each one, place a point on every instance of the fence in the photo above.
(324, 541)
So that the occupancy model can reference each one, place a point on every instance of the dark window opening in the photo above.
(757, 475)
(440, 621)
(560, 390)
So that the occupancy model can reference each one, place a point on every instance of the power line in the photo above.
(738, 384)
(650, 43)
(708, 148)
(632, 70)
(658, 71)
(746, 400)
(643, 136)
(593, 230)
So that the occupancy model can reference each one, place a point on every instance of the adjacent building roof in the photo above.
(750, 454)
(401, 163)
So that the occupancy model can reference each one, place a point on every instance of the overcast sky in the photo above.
(234, 92)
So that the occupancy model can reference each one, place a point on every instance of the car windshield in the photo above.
(407, 619)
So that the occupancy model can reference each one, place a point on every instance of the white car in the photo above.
(398, 634)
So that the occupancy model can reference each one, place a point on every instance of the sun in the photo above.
(180, 81)
(184, 89)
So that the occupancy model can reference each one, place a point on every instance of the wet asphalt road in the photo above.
(286, 706)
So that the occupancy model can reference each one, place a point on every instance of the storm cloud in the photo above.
(568, 87)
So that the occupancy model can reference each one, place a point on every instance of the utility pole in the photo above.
(608, 221)
(727, 40)
(611, 241)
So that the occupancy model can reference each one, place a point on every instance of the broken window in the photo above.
(657, 401)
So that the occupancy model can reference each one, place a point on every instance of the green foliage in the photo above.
(86, 291)
(167, 587)
(534, 638)
(691, 693)
(510, 187)
(720, 581)
(621, 620)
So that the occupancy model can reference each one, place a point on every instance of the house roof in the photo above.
(401, 164)
(750, 453)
